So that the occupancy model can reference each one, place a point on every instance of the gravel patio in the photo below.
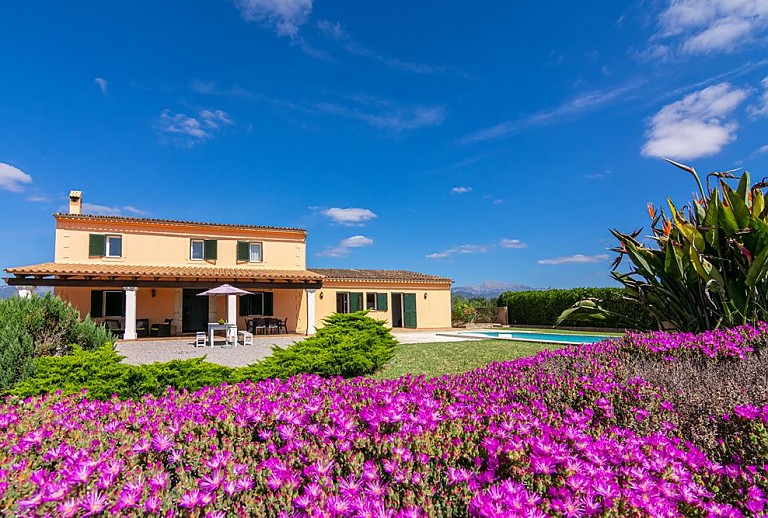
(183, 348)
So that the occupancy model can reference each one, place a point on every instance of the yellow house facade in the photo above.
(151, 271)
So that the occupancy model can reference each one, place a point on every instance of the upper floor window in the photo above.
(196, 249)
(101, 245)
(203, 249)
(114, 246)
(249, 252)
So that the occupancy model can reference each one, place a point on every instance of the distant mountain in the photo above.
(488, 289)
(7, 291)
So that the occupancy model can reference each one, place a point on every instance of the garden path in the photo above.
(163, 350)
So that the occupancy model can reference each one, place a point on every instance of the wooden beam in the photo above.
(148, 283)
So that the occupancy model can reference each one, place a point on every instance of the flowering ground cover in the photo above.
(628, 427)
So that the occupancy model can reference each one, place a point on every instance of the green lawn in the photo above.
(436, 359)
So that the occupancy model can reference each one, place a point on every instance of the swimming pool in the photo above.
(530, 336)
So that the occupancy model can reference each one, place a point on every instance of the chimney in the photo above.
(75, 202)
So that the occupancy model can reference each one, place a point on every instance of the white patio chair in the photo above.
(200, 339)
(231, 336)
(247, 337)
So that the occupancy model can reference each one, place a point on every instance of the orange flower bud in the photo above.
(651, 210)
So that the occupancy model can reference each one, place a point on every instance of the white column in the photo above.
(311, 311)
(130, 313)
(232, 309)
(25, 292)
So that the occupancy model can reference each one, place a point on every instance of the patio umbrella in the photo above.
(231, 292)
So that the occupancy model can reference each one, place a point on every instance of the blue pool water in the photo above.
(539, 337)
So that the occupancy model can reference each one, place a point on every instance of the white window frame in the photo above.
(375, 306)
(250, 251)
(192, 250)
(107, 247)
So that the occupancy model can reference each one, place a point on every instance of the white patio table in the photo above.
(215, 326)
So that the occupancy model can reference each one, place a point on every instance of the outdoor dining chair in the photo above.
(259, 323)
(231, 335)
(114, 327)
(200, 339)
(273, 325)
(247, 337)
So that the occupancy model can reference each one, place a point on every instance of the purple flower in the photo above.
(94, 503)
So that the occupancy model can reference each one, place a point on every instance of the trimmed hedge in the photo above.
(541, 308)
(348, 345)
(102, 374)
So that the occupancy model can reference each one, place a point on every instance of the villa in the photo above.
(151, 271)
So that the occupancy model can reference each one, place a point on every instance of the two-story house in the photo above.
(140, 268)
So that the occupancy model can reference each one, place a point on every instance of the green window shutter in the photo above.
(409, 310)
(245, 305)
(355, 302)
(210, 250)
(97, 245)
(97, 304)
(243, 251)
(269, 304)
(381, 301)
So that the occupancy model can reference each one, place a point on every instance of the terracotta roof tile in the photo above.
(126, 219)
(125, 270)
(378, 275)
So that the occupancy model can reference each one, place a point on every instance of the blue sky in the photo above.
(496, 141)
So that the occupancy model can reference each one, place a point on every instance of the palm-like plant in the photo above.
(708, 265)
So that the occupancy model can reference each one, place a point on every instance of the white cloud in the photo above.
(761, 108)
(133, 210)
(106, 210)
(12, 179)
(512, 243)
(477, 249)
(583, 103)
(344, 246)
(285, 16)
(336, 32)
(383, 114)
(37, 198)
(461, 189)
(763, 149)
(102, 84)
(577, 258)
(188, 131)
(708, 26)
(462, 249)
(350, 217)
(693, 127)
(101, 210)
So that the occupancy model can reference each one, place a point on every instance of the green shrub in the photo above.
(348, 345)
(71, 373)
(542, 308)
(102, 374)
(41, 326)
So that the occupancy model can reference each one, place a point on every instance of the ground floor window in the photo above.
(348, 302)
(376, 301)
(107, 304)
(259, 303)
